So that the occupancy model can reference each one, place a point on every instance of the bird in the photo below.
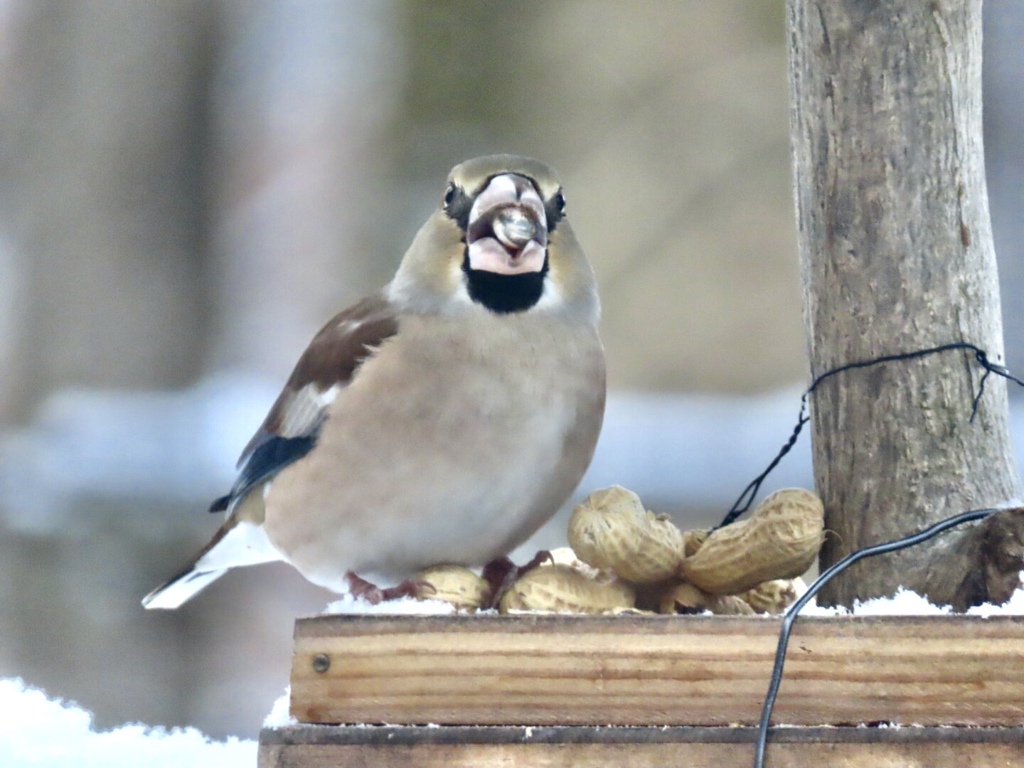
(440, 421)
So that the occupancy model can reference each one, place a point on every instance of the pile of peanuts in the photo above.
(623, 558)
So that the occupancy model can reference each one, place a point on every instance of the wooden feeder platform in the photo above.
(544, 690)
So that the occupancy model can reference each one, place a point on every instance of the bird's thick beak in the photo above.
(507, 232)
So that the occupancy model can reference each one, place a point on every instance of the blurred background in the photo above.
(189, 189)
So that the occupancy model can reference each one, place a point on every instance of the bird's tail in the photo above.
(181, 588)
(237, 543)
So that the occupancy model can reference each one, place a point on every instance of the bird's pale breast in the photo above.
(422, 463)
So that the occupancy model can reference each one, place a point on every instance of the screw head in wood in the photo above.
(321, 663)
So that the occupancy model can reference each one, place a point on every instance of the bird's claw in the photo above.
(501, 573)
(365, 590)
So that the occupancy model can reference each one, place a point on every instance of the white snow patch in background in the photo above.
(280, 714)
(403, 606)
(39, 732)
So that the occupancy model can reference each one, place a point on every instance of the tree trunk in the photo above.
(896, 255)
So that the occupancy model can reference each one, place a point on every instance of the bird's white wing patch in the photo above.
(305, 409)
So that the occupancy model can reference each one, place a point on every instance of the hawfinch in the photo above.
(443, 420)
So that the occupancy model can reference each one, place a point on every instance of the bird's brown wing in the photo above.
(329, 363)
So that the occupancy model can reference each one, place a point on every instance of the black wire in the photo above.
(979, 355)
(821, 581)
(750, 492)
(746, 499)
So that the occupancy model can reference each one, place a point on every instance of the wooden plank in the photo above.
(319, 746)
(651, 670)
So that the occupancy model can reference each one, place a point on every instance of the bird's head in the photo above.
(498, 241)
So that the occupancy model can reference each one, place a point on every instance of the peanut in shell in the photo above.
(563, 589)
(612, 531)
(686, 598)
(454, 584)
(774, 596)
(779, 541)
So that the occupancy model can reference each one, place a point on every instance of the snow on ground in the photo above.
(280, 714)
(39, 732)
(403, 606)
(906, 603)
(1013, 607)
(903, 603)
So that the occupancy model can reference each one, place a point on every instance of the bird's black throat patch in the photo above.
(504, 294)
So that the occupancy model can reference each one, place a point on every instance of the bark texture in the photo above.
(896, 255)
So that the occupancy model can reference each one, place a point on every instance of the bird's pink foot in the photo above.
(361, 588)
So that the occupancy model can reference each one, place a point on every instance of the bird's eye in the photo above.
(560, 201)
(449, 195)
